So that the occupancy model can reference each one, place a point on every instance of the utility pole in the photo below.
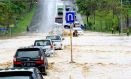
(121, 28)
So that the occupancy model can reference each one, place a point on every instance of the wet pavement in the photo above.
(44, 17)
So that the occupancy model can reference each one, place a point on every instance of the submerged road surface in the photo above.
(97, 56)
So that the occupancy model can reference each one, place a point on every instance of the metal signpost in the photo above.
(11, 26)
(70, 18)
(4, 30)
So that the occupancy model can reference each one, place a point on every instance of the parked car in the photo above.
(79, 30)
(46, 45)
(20, 73)
(57, 41)
(31, 57)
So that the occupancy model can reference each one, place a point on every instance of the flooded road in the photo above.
(97, 56)
(44, 18)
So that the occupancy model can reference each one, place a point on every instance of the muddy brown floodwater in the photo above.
(96, 56)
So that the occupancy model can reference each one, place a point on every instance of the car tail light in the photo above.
(40, 61)
(51, 46)
(14, 59)
(16, 62)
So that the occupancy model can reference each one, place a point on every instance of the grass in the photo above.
(104, 22)
(129, 11)
(21, 26)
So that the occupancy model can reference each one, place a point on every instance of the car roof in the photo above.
(18, 69)
(77, 28)
(44, 40)
(30, 48)
(77, 22)
(53, 35)
(16, 72)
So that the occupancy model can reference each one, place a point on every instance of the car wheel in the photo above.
(47, 66)
(14, 66)
(48, 55)
(43, 70)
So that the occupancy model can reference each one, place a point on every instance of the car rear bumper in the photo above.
(80, 33)
(38, 66)
(58, 46)
(49, 52)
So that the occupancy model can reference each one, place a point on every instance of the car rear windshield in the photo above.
(42, 42)
(60, 8)
(16, 77)
(31, 54)
(78, 29)
(53, 37)
(59, 19)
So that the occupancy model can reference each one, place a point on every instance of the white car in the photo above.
(46, 45)
(77, 24)
(79, 30)
(57, 41)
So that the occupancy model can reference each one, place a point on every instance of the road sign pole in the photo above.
(70, 19)
(71, 43)
(71, 46)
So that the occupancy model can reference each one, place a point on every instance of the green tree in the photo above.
(86, 7)
(12, 10)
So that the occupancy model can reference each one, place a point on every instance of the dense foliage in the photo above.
(105, 15)
(12, 11)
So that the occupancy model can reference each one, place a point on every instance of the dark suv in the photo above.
(31, 57)
(20, 73)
